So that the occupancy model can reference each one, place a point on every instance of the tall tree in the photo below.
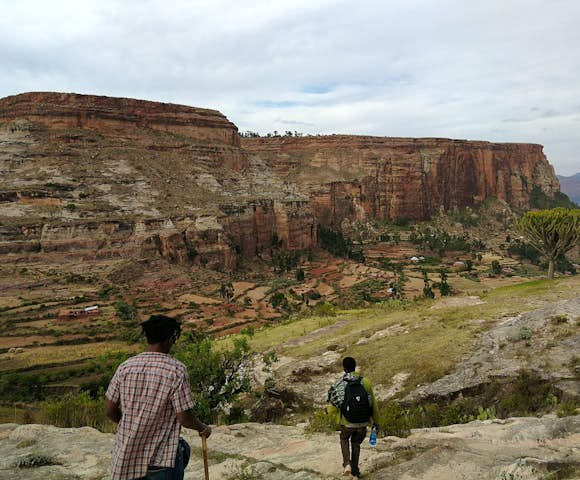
(553, 232)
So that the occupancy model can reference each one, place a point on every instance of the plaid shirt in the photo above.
(151, 389)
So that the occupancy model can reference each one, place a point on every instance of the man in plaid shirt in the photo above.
(150, 398)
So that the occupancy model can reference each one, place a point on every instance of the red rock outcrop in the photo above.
(113, 115)
(103, 177)
(360, 177)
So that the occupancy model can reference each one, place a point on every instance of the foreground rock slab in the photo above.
(519, 448)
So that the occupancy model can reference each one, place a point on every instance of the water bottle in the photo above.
(373, 436)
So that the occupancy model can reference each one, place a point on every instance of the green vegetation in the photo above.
(525, 395)
(216, 374)
(427, 290)
(440, 241)
(552, 232)
(540, 200)
(34, 460)
(495, 268)
(524, 250)
(126, 312)
(76, 410)
(336, 243)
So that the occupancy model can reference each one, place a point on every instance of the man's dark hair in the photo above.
(349, 364)
(159, 328)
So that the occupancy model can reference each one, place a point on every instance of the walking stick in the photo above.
(204, 449)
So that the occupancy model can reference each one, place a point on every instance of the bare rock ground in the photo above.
(517, 448)
(544, 340)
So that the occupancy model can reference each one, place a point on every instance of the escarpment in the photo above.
(360, 177)
(94, 177)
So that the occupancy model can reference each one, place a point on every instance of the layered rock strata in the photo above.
(105, 177)
(360, 177)
(101, 176)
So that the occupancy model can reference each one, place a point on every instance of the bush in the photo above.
(217, 377)
(540, 200)
(321, 422)
(279, 300)
(524, 250)
(393, 420)
(127, 313)
(34, 460)
(77, 410)
(325, 309)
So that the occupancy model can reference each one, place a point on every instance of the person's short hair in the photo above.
(349, 364)
(158, 328)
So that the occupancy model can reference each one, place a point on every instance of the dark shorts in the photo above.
(171, 473)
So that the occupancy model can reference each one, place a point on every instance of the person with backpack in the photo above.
(353, 404)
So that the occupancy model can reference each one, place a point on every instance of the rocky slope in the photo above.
(518, 448)
(112, 177)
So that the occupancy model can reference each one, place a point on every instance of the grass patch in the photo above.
(435, 341)
(33, 357)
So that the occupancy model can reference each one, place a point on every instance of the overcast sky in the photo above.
(498, 70)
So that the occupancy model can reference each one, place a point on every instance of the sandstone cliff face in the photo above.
(101, 176)
(388, 178)
(106, 177)
(116, 115)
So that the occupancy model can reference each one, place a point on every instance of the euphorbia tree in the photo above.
(553, 232)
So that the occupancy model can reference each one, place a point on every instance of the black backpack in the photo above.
(356, 407)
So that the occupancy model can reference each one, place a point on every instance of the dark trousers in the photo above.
(350, 440)
(171, 473)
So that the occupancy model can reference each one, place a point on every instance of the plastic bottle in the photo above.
(373, 436)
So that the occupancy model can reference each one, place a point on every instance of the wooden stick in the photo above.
(204, 449)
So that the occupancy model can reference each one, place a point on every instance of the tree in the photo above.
(444, 287)
(217, 375)
(553, 232)
(427, 290)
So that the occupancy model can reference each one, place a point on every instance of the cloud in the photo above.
(495, 70)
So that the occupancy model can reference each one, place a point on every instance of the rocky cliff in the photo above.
(104, 177)
(101, 177)
(388, 178)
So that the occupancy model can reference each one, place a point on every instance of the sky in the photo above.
(496, 70)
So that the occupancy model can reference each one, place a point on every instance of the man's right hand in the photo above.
(205, 432)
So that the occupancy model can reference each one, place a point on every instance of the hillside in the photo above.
(457, 350)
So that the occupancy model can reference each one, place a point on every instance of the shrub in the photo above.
(495, 268)
(325, 309)
(524, 333)
(217, 377)
(77, 410)
(393, 420)
(279, 300)
(444, 287)
(126, 312)
(524, 250)
(244, 472)
(320, 422)
(34, 460)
